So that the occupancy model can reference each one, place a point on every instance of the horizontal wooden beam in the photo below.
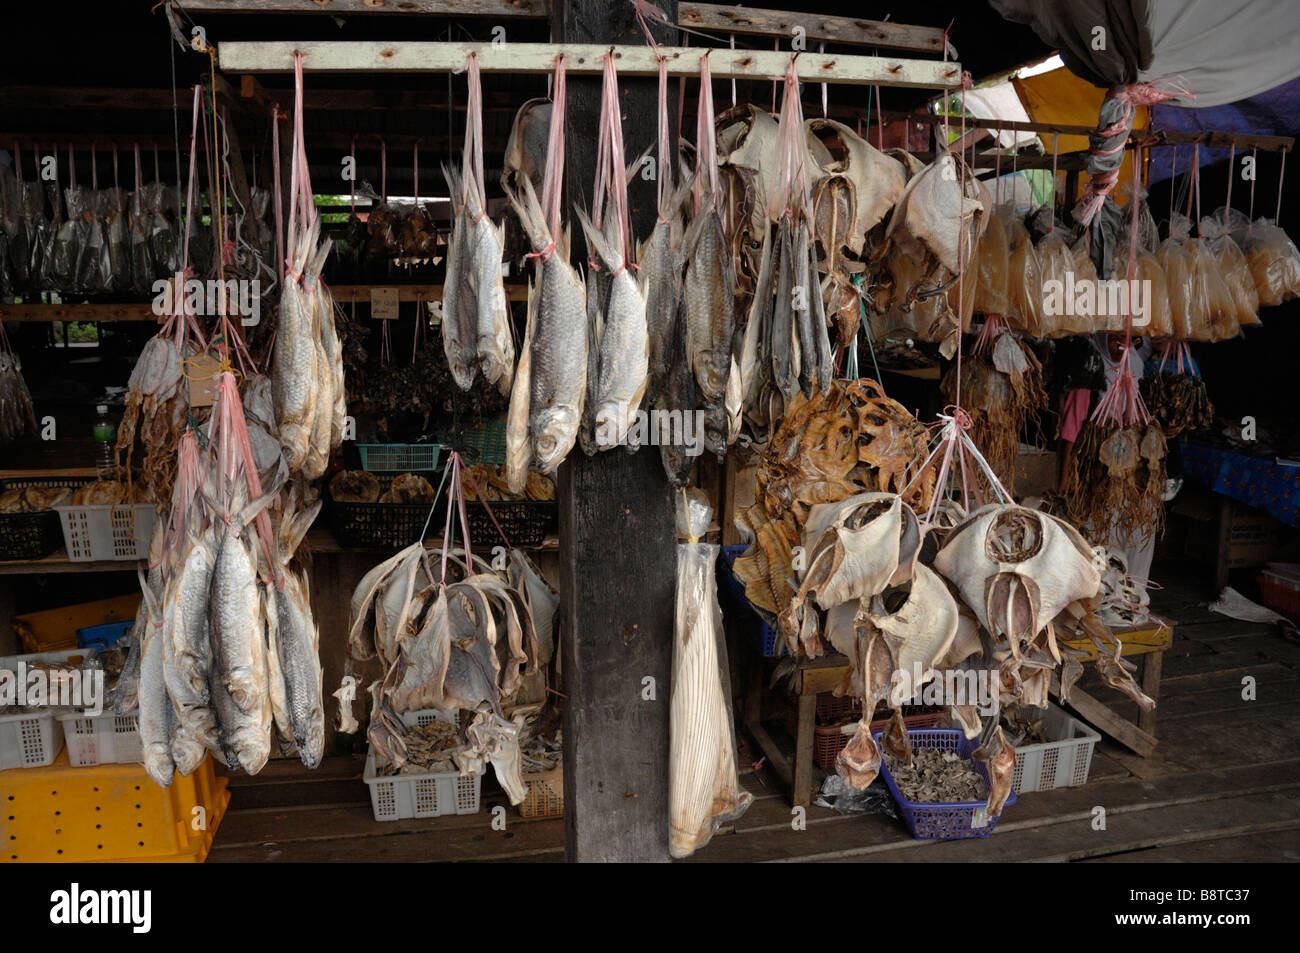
(720, 18)
(580, 58)
(1214, 140)
(143, 311)
(752, 21)
(519, 9)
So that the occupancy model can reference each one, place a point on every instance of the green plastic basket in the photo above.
(401, 457)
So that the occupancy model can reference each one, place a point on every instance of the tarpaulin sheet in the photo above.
(1272, 113)
(1061, 97)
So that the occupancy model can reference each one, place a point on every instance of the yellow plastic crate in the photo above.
(110, 812)
(57, 628)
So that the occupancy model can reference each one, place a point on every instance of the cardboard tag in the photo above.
(383, 304)
(202, 373)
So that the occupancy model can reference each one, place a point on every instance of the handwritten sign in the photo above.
(383, 304)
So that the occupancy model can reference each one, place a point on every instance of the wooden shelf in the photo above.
(320, 541)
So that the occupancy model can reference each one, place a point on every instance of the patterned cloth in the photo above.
(1257, 481)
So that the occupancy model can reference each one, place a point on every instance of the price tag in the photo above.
(980, 819)
(383, 304)
(202, 373)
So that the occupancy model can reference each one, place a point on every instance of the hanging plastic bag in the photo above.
(118, 238)
(68, 240)
(1024, 282)
(704, 789)
(162, 236)
(93, 267)
(1274, 262)
(1216, 231)
(1084, 272)
(1187, 307)
(1056, 263)
(1221, 310)
(991, 270)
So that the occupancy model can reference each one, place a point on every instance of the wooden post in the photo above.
(617, 538)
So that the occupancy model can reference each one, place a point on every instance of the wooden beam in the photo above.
(369, 56)
(752, 21)
(1104, 719)
(743, 21)
(518, 9)
(619, 554)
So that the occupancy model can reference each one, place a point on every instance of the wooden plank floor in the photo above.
(1222, 785)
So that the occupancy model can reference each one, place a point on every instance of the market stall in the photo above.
(609, 433)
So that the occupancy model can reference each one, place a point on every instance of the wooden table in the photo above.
(811, 677)
(825, 674)
(1149, 641)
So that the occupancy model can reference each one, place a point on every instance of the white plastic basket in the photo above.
(107, 532)
(405, 796)
(102, 739)
(1060, 763)
(33, 740)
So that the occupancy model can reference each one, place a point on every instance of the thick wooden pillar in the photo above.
(618, 556)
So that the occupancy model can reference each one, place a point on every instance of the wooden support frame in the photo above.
(371, 56)
(715, 17)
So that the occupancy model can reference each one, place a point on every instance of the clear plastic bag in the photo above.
(703, 782)
(94, 270)
(1220, 309)
(991, 270)
(65, 253)
(142, 264)
(113, 210)
(1274, 262)
(1024, 282)
(1187, 307)
(1056, 263)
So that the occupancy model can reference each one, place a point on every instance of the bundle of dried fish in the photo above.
(17, 416)
(476, 326)
(226, 646)
(550, 385)
(1176, 397)
(1116, 481)
(618, 340)
(1001, 388)
(703, 785)
(307, 360)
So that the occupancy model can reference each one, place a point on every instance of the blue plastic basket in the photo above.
(735, 589)
(944, 820)
(104, 636)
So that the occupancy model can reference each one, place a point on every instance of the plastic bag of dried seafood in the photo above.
(992, 269)
(1273, 260)
(65, 254)
(161, 235)
(94, 269)
(1187, 304)
(703, 784)
(113, 210)
(1056, 263)
(1024, 283)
